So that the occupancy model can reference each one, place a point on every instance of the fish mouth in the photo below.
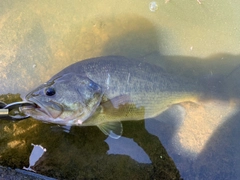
(50, 109)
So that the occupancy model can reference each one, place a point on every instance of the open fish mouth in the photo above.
(41, 109)
(47, 109)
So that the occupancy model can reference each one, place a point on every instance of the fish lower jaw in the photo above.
(39, 109)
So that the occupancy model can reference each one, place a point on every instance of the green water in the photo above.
(39, 38)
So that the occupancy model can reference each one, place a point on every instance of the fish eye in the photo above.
(50, 91)
(93, 85)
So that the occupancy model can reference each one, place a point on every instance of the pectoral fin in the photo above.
(113, 129)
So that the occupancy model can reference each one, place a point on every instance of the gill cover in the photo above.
(67, 99)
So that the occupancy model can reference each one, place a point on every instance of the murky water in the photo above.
(39, 38)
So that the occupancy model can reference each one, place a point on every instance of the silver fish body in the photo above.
(115, 89)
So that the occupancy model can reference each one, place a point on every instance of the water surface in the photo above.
(39, 38)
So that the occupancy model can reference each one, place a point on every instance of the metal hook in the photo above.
(12, 109)
(3, 112)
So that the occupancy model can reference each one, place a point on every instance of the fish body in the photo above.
(103, 91)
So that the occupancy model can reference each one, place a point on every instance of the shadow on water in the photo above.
(126, 35)
(215, 155)
(221, 153)
(84, 152)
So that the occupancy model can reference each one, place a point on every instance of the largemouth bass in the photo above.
(104, 91)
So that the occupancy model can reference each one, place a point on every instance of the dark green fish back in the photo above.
(118, 73)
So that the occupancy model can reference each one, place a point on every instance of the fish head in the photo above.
(68, 100)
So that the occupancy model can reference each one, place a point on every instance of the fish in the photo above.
(104, 91)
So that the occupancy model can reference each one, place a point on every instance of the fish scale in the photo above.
(126, 89)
